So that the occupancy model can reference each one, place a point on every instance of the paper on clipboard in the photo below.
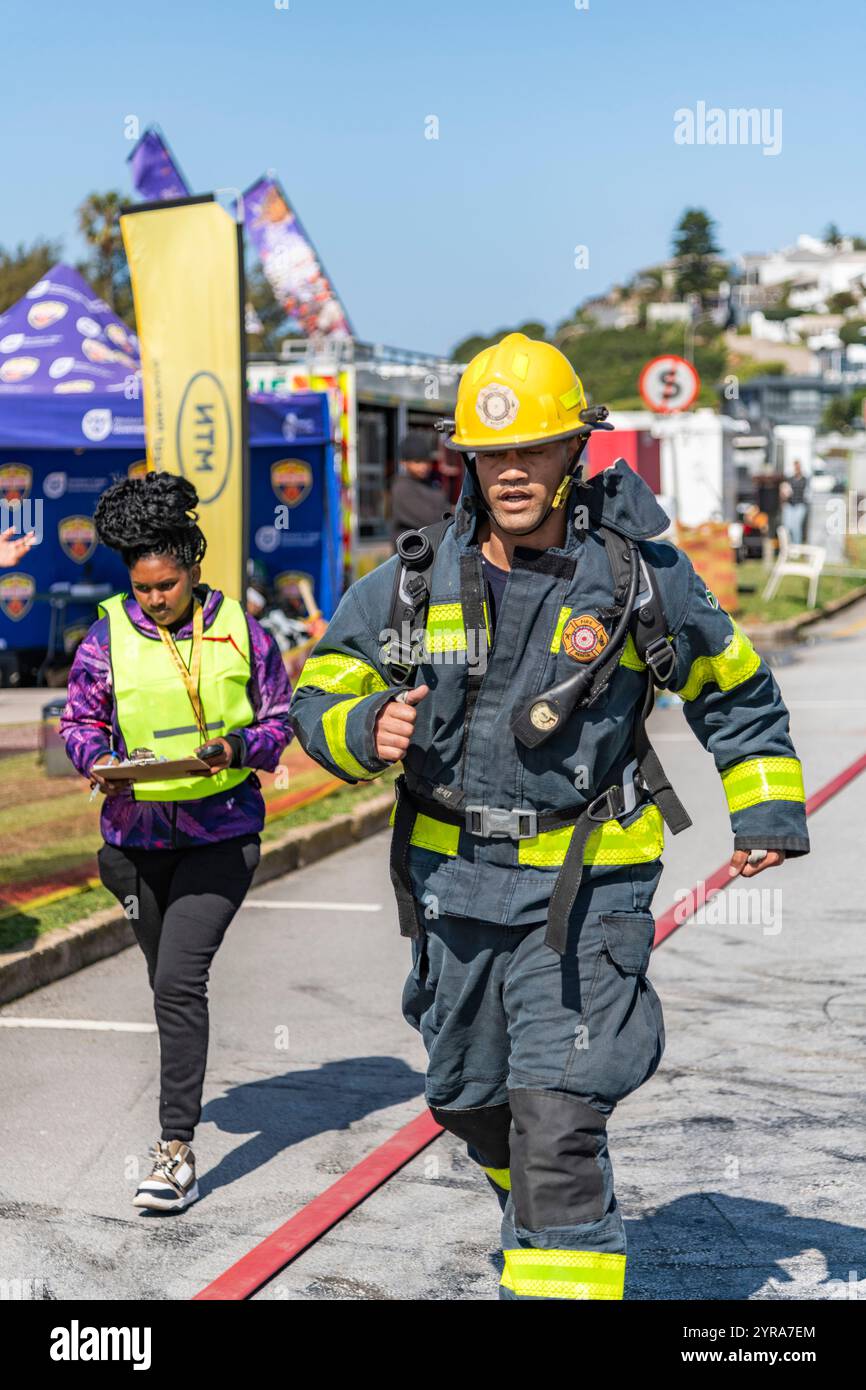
(153, 772)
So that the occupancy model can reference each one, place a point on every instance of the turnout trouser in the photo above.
(529, 1052)
(179, 903)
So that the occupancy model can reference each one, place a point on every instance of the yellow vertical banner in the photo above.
(186, 265)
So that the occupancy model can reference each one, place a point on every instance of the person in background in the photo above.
(794, 495)
(274, 615)
(767, 486)
(450, 474)
(417, 498)
(171, 667)
(13, 549)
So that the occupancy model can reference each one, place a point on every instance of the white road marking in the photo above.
(316, 907)
(81, 1023)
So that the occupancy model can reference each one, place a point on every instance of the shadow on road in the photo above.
(287, 1109)
(712, 1245)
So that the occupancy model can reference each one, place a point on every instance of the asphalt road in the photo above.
(739, 1166)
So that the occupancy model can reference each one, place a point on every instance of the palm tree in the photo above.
(107, 269)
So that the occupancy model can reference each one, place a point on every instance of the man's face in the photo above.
(519, 484)
(418, 468)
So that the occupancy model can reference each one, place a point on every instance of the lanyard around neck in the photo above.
(190, 677)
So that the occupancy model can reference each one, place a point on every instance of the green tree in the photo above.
(609, 361)
(21, 269)
(838, 303)
(106, 267)
(853, 331)
(832, 235)
(696, 253)
(745, 368)
(839, 414)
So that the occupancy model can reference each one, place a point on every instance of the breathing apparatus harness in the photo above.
(638, 611)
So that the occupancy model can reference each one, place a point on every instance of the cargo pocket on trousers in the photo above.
(628, 1016)
(628, 940)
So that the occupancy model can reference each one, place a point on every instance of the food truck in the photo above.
(376, 394)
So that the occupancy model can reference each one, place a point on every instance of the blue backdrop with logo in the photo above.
(71, 424)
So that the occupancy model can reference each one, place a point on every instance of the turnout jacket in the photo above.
(462, 737)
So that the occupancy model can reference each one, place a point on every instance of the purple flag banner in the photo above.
(155, 175)
(290, 261)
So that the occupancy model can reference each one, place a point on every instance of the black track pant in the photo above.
(180, 903)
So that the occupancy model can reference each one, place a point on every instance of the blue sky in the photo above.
(555, 130)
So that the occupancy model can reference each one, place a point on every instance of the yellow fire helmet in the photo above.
(520, 392)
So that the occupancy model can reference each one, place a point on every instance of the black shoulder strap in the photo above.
(648, 624)
(652, 774)
(410, 599)
(649, 631)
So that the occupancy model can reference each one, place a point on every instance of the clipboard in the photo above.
(132, 771)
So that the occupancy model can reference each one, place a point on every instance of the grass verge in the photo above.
(20, 926)
(791, 597)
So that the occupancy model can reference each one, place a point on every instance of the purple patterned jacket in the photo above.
(89, 728)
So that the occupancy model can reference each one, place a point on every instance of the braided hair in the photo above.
(151, 515)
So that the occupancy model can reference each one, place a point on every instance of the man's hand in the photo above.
(395, 724)
(217, 764)
(107, 788)
(740, 864)
(13, 549)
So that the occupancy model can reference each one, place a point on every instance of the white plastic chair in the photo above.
(805, 560)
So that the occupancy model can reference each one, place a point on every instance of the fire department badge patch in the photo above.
(496, 406)
(584, 637)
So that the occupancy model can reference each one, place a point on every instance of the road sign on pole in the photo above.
(669, 384)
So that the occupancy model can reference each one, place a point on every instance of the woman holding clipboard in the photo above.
(175, 667)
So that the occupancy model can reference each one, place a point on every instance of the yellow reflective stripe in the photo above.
(609, 843)
(334, 729)
(763, 779)
(629, 656)
(444, 631)
(564, 1273)
(346, 675)
(729, 668)
(428, 833)
(501, 1176)
(437, 835)
(486, 619)
(564, 615)
(569, 399)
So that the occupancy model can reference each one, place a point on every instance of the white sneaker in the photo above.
(172, 1185)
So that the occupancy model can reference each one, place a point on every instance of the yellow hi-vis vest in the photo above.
(153, 707)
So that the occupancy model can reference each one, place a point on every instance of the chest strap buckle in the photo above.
(661, 658)
(399, 658)
(500, 823)
(618, 800)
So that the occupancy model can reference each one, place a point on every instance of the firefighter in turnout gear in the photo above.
(508, 657)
